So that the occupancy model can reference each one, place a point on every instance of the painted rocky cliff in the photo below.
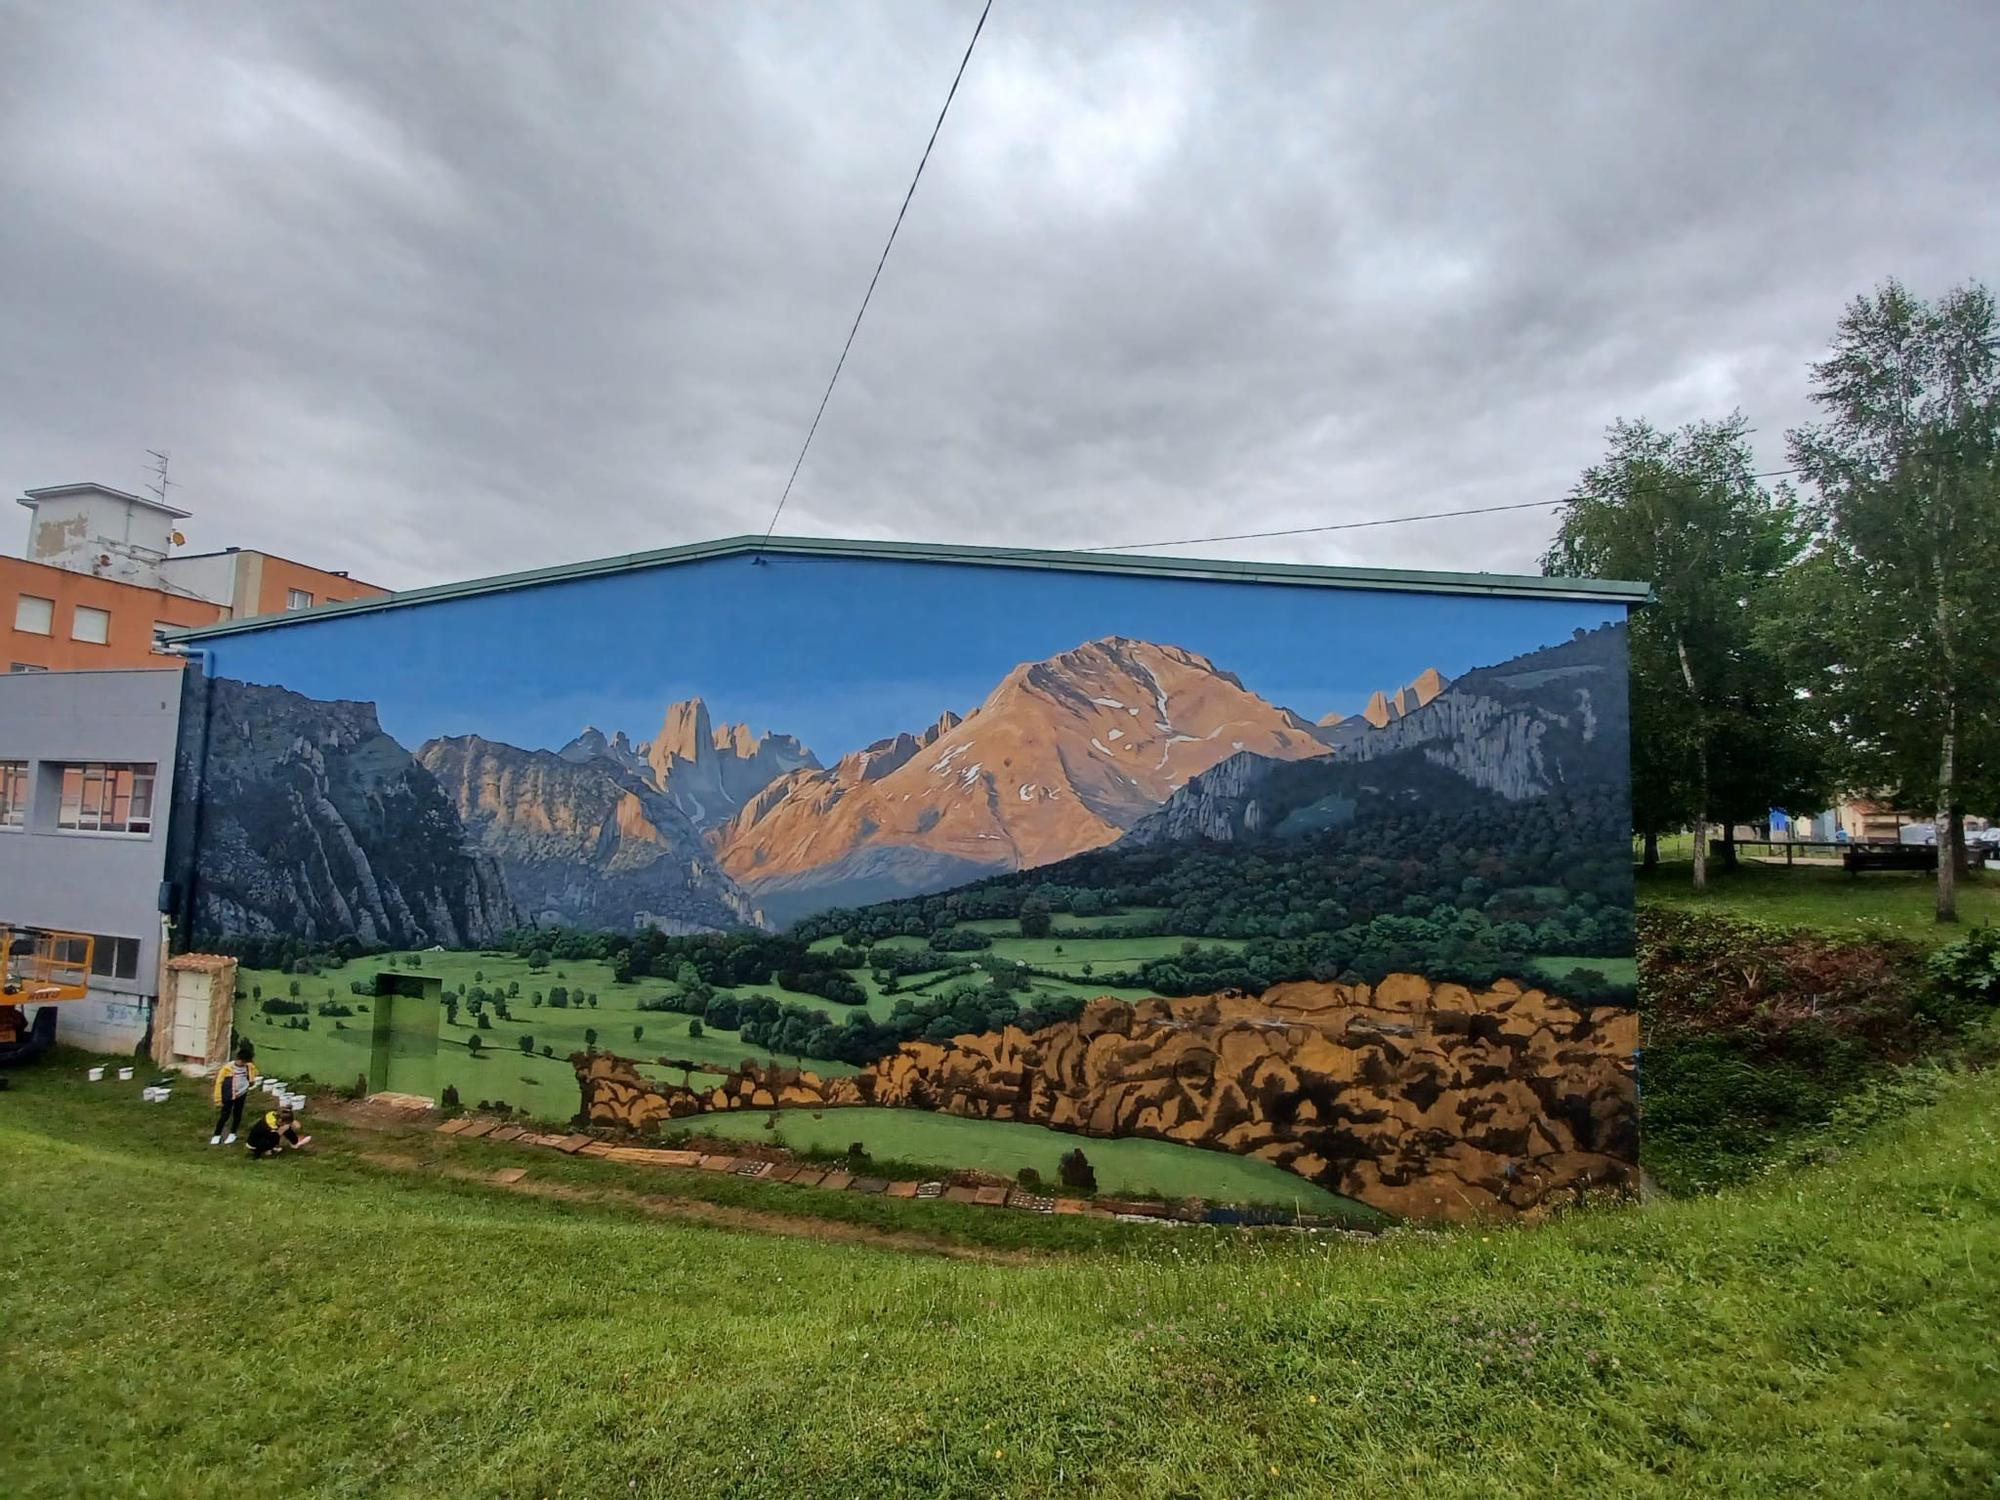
(318, 824)
(584, 837)
(1431, 1101)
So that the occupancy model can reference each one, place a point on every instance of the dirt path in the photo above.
(701, 1211)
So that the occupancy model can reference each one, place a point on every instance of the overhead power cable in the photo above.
(1433, 515)
(889, 244)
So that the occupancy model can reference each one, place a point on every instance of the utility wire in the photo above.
(1434, 515)
(879, 264)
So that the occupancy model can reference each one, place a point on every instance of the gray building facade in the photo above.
(86, 781)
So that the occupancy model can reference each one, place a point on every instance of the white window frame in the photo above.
(105, 953)
(13, 794)
(105, 797)
(298, 599)
(76, 619)
(21, 603)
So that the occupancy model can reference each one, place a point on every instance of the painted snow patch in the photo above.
(1115, 736)
(1099, 746)
(1107, 702)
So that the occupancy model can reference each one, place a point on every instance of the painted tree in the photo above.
(1718, 732)
(1900, 610)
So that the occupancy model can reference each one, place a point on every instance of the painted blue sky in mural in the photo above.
(840, 652)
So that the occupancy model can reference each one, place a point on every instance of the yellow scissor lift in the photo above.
(38, 966)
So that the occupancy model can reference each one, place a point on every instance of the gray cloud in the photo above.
(432, 291)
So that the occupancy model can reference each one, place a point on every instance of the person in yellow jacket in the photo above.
(232, 1087)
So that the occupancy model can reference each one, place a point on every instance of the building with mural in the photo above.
(1326, 869)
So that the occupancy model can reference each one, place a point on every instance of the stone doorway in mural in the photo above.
(402, 1056)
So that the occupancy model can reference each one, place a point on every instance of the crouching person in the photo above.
(277, 1131)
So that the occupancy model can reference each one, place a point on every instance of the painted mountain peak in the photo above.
(1062, 756)
(318, 824)
(585, 839)
(711, 772)
(1384, 708)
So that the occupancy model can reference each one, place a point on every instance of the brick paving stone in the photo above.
(903, 1189)
(478, 1128)
(958, 1195)
(508, 1133)
(717, 1163)
(453, 1127)
(836, 1180)
(781, 1174)
(870, 1185)
(572, 1143)
(1069, 1205)
(809, 1177)
(1034, 1203)
(509, 1175)
(929, 1190)
(679, 1158)
(752, 1168)
(990, 1197)
(598, 1149)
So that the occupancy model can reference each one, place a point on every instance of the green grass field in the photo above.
(1156, 1169)
(1884, 904)
(1617, 970)
(181, 1321)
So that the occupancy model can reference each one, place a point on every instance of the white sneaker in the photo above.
(231, 1140)
(215, 1140)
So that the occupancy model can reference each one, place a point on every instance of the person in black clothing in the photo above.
(276, 1131)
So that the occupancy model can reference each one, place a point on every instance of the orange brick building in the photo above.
(101, 575)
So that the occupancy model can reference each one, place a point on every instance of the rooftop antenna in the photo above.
(158, 469)
(161, 484)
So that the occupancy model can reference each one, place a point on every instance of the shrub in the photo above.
(694, 1027)
(277, 1007)
(527, 1043)
(539, 959)
(333, 1008)
(449, 1099)
(360, 987)
(1028, 1177)
(547, 1050)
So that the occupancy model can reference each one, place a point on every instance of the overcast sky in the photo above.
(430, 290)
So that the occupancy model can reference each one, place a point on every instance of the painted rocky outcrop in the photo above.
(710, 772)
(1426, 1100)
(585, 838)
(318, 824)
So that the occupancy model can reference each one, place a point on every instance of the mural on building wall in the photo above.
(1337, 879)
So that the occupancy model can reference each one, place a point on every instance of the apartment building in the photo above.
(102, 574)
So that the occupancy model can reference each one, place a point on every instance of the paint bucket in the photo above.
(124, 1075)
(97, 1075)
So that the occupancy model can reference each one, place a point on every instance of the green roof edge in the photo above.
(1595, 590)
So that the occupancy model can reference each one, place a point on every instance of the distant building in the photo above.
(101, 576)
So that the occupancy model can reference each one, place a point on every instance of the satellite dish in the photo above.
(179, 540)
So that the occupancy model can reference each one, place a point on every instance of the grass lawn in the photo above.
(1157, 1169)
(1885, 904)
(181, 1321)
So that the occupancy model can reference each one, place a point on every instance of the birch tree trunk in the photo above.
(1700, 773)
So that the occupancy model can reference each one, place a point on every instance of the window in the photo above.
(34, 616)
(114, 957)
(93, 625)
(13, 793)
(298, 599)
(98, 798)
(26, 666)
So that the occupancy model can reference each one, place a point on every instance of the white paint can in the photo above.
(97, 1075)
(124, 1075)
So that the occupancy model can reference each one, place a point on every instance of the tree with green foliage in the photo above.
(590, 1038)
(638, 1032)
(474, 1044)
(293, 989)
(538, 959)
(527, 1044)
(1035, 919)
(694, 1027)
(1899, 609)
(1718, 732)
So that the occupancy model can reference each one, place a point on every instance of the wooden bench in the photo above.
(1859, 857)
